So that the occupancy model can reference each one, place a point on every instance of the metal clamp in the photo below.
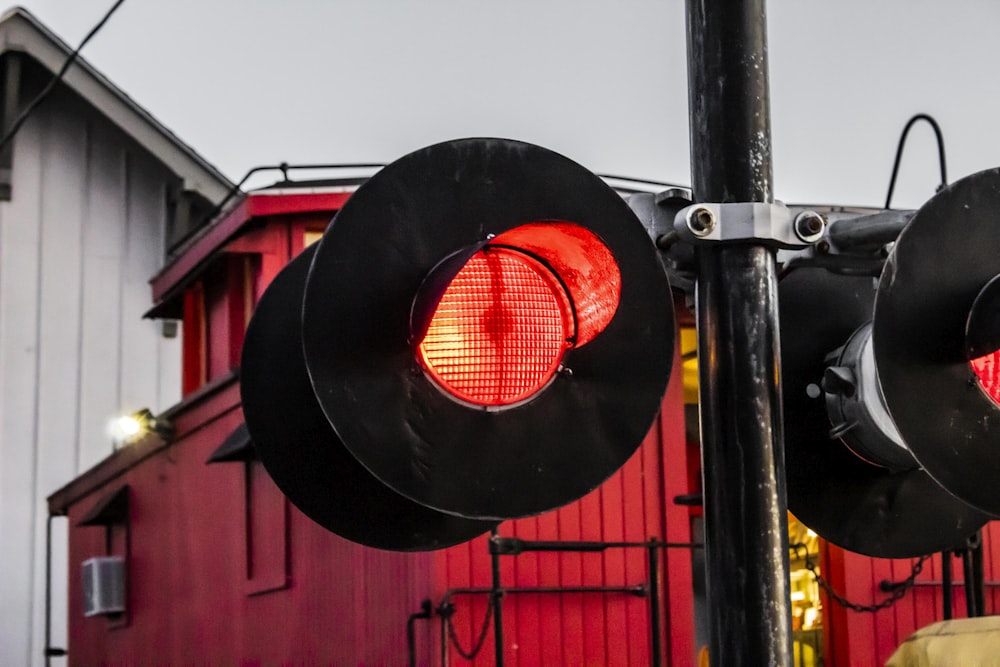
(772, 223)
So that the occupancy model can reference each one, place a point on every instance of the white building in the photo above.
(94, 194)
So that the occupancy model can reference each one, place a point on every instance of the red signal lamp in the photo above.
(987, 370)
(499, 331)
(487, 333)
(982, 335)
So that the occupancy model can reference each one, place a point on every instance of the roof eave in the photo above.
(22, 32)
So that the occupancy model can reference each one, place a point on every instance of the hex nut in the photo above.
(809, 226)
(700, 220)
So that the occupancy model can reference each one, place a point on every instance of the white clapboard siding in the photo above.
(103, 250)
(60, 208)
(79, 241)
(20, 497)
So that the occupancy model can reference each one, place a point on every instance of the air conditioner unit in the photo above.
(103, 586)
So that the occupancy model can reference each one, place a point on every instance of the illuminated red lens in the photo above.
(987, 370)
(500, 329)
(586, 266)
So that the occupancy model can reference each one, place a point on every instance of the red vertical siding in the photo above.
(573, 630)
(194, 345)
(266, 530)
(991, 568)
(219, 295)
(871, 638)
(676, 458)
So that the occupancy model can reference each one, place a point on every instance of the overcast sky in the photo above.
(256, 82)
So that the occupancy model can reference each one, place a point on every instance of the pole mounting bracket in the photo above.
(772, 223)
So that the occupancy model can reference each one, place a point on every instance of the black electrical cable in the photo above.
(899, 153)
(19, 121)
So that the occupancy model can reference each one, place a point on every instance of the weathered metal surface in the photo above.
(746, 537)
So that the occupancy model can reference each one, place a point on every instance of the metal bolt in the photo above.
(809, 226)
(701, 221)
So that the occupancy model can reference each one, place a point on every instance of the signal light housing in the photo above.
(499, 331)
(862, 496)
(943, 261)
(935, 330)
(467, 431)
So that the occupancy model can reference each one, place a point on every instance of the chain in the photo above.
(453, 636)
(898, 592)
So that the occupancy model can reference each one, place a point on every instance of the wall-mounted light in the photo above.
(130, 428)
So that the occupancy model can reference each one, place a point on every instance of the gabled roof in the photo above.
(21, 32)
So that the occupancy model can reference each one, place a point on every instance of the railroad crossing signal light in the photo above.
(484, 332)
(935, 312)
(905, 375)
(498, 332)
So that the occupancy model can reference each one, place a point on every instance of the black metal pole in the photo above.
(496, 599)
(746, 537)
(946, 585)
(48, 590)
(971, 611)
(411, 631)
(978, 576)
(972, 571)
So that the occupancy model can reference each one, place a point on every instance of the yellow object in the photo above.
(689, 366)
(965, 642)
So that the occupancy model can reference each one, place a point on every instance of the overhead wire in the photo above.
(28, 110)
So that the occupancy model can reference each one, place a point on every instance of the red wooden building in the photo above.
(220, 569)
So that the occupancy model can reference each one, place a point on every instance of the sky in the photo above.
(258, 82)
